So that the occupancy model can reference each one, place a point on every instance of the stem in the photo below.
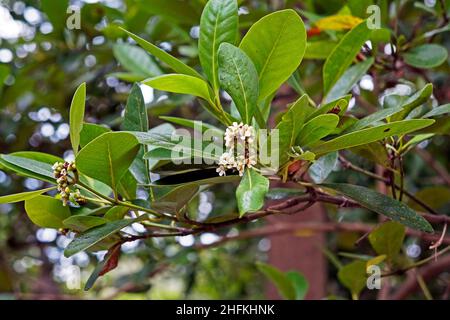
(139, 208)
(417, 264)
(96, 193)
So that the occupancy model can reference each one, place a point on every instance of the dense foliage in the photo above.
(342, 103)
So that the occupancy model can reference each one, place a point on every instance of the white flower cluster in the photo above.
(241, 153)
(61, 173)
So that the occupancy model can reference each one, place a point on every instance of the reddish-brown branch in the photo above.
(427, 272)
(283, 228)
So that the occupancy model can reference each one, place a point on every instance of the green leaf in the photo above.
(12, 198)
(135, 60)
(218, 24)
(382, 204)
(175, 200)
(38, 169)
(348, 79)
(181, 83)
(279, 279)
(373, 118)
(251, 192)
(299, 283)
(135, 118)
(354, 277)
(238, 77)
(388, 239)
(426, 56)
(322, 168)
(77, 116)
(276, 45)
(83, 223)
(175, 146)
(93, 236)
(282, 193)
(116, 213)
(316, 129)
(417, 99)
(25, 163)
(194, 124)
(440, 126)
(290, 126)
(343, 54)
(435, 197)
(108, 157)
(440, 110)
(338, 106)
(319, 49)
(369, 135)
(176, 11)
(54, 10)
(91, 131)
(46, 212)
(175, 64)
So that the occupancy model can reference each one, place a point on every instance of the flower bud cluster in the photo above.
(64, 181)
(241, 151)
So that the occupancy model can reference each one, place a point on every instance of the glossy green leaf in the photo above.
(218, 24)
(12, 198)
(116, 213)
(135, 118)
(316, 129)
(417, 99)
(373, 118)
(426, 56)
(82, 223)
(319, 50)
(279, 279)
(175, 200)
(251, 192)
(388, 239)
(135, 60)
(290, 126)
(366, 136)
(174, 63)
(108, 157)
(93, 236)
(322, 167)
(77, 116)
(440, 126)
(46, 212)
(276, 45)
(180, 83)
(38, 168)
(353, 276)
(238, 77)
(338, 106)
(382, 204)
(343, 54)
(299, 283)
(91, 131)
(440, 110)
(349, 79)
(25, 163)
(194, 124)
(178, 147)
